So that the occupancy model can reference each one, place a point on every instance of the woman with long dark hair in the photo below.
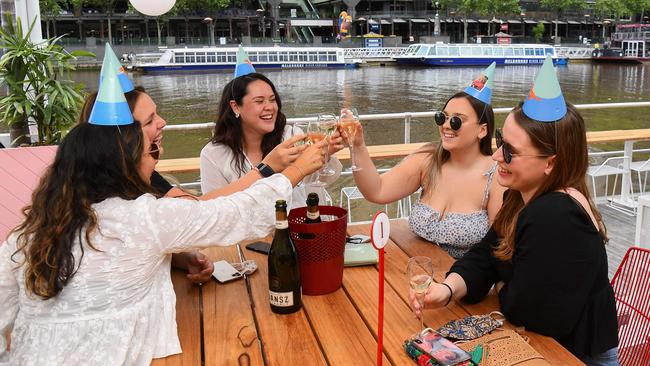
(85, 279)
(460, 162)
(250, 124)
(546, 249)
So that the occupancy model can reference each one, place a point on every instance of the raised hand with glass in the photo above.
(419, 271)
(315, 135)
(327, 124)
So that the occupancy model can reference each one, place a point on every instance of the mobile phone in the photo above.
(260, 247)
(224, 272)
(442, 350)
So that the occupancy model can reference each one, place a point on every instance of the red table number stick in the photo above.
(379, 234)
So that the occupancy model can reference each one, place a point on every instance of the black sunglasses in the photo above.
(454, 121)
(506, 148)
(154, 151)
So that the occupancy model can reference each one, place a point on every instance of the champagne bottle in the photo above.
(313, 213)
(284, 274)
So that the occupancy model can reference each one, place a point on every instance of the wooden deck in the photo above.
(620, 230)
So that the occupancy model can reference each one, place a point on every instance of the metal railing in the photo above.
(370, 53)
(574, 52)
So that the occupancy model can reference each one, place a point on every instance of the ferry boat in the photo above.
(630, 44)
(221, 58)
(462, 54)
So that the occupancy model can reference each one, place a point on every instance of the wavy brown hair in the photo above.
(439, 156)
(567, 140)
(228, 130)
(93, 163)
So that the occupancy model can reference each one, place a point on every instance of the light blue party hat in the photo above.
(110, 108)
(481, 87)
(545, 102)
(111, 59)
(244, 65)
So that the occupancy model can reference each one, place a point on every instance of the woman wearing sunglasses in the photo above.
(85, 279)
(545, 251)
(460, 162)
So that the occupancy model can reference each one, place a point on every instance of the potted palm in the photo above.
(39, 91)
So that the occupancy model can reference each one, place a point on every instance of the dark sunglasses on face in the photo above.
(154, 151)
(506, 148)
(454, 121)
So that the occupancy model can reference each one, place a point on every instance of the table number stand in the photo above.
(379, 235)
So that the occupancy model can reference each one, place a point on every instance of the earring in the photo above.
(236, 115)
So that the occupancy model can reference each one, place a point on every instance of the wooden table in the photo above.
(340, 328)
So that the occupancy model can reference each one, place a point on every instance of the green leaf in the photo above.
(82, 53)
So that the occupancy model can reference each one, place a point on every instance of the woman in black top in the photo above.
(545, 251)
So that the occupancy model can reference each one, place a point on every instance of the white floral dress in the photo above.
(120, 307)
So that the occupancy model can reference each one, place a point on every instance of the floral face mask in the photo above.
(472, 327)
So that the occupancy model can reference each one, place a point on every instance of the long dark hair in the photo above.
(439, 155)
(228, 130)
(92, 163)
(567, 140)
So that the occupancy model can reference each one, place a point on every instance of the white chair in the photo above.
(640, 167)
(611, 166)
(353, 193)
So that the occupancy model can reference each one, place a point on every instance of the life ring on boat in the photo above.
(595, 53)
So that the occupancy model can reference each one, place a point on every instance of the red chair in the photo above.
(631, 285)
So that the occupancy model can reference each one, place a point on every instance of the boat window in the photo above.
(313, 56)
(414, 49)
(284, 57)
(519, 51)
(476, 51)
(453, 51)
(550, 51)
(498, 51)
(273, 57)
(232, 57)
(331, 56)
(432, 51)
(190, 57)
(200, 57)
(508, 52)
(529, 52)
(179, 58)
(487, 51)
(302, 56)
(423, 51)
(263, 57)
(442, 51)
(539, 52)
(322, 56)
(211, 57)
(252, 56)
(293, 56)
(465, 51)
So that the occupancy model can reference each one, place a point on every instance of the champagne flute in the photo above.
(327, 124)
(302, 125)
(349, 122)
(420, 274)
(315, 135)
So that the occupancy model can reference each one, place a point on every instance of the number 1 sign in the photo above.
(379, 235)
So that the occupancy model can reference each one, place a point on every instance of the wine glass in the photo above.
(419, 271)
(327, 124)
(302, 125)
(315, 135)
(349, 122)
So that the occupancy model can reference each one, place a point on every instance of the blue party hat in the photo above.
(481, 87)
(110, 108)
(244, 65)
(545, 102)
(111, 59)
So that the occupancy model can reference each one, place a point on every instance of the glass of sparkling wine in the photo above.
(302, 126)
(420, 274)
(314, 136)
(349, 122)
(327, 124)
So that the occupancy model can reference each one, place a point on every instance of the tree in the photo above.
(108, 7)
(499, 8)
(464, 8)
(538, 31)
(180, 7)
(560, 6)
(50, 9)
(38, 88)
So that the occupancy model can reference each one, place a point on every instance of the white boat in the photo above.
(221, 58)
(470, 54)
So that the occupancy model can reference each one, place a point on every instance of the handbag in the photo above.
(472, 327)
(505, 348)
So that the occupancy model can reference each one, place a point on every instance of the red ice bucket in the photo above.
(321, 255)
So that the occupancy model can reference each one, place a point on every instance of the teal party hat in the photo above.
(481, 87)
(244, 65)
(545, 102)
(110, 108)
(111, 59)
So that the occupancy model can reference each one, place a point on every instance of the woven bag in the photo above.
(505, 348)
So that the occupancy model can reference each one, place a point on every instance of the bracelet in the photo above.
(451, 293)
(299, 170)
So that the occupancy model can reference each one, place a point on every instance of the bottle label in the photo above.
(282, 299)
(281, 224)
(313, 215)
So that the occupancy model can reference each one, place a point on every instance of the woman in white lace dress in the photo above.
(85, 279)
